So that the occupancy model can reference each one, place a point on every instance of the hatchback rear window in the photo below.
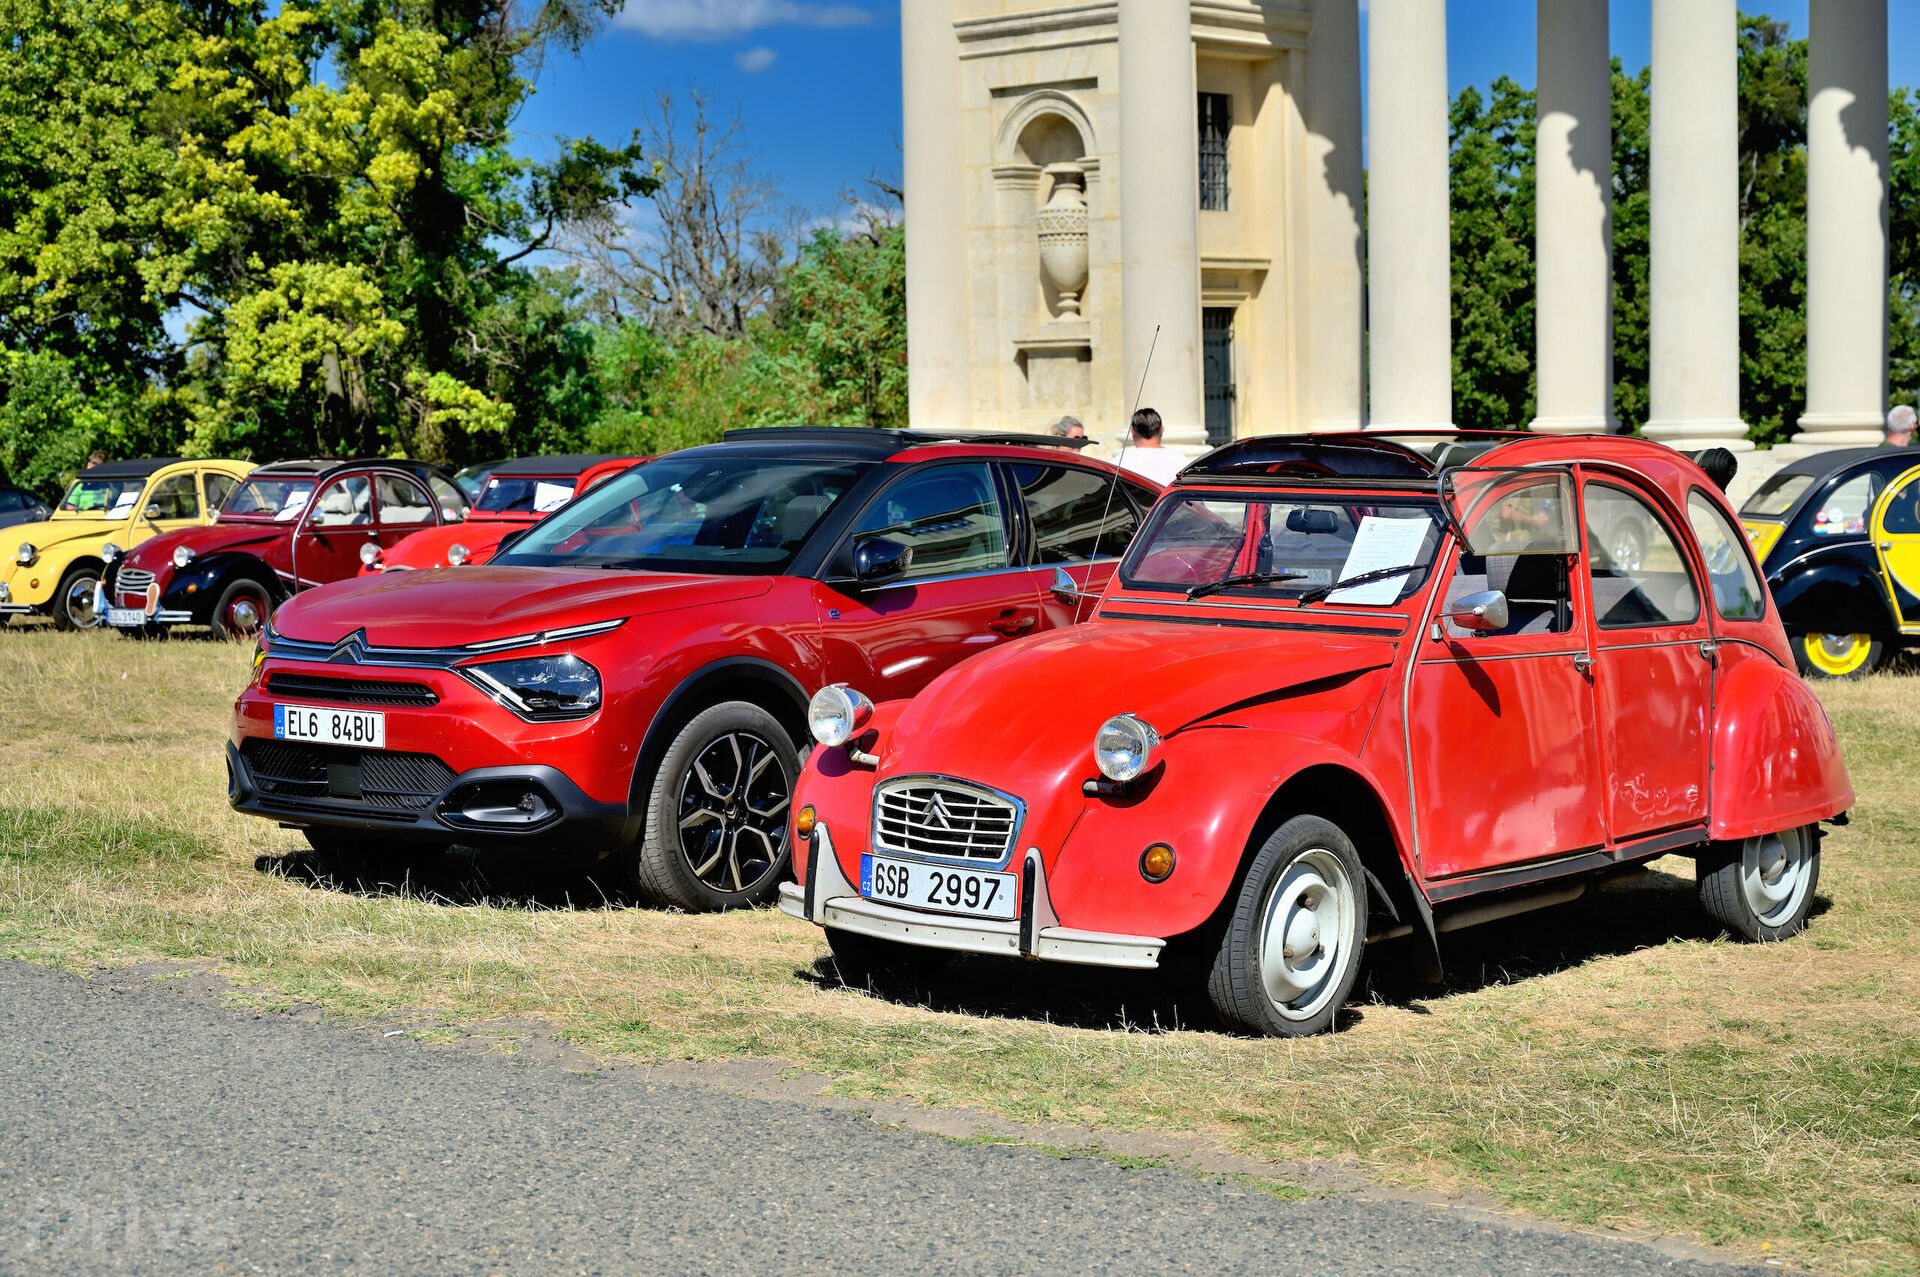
(1776, 496)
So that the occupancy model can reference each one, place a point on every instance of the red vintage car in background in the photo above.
(630, 679)
(1343, 688)
(517, 495)
(290, 526)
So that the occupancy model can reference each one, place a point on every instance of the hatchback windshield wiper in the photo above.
(1244, 578)
(1319, 592)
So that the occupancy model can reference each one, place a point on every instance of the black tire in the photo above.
(72, 603)
(717, 825)
(1762, 889)
(1308, 876)
(242, 611)
(885, 966)
(1837, 656)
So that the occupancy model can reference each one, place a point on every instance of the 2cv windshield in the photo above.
(1288, 545)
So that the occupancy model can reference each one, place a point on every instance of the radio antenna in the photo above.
(1080, 596)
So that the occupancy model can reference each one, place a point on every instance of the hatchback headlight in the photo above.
(541, 686)
(182, 555)
(26, 554)
(1123, 747)
(837, 713)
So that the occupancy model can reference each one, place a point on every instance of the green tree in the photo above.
(1492, 190)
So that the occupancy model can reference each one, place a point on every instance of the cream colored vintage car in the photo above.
(53, 568)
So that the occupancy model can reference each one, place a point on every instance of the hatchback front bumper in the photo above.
(827, 898)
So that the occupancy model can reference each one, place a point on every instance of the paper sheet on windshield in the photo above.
(290, 508)
(1381, 543)
(550, 496)
(123, 505)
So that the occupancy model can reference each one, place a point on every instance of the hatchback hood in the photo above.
(214, 538)
(453, 607)
(1032, 708)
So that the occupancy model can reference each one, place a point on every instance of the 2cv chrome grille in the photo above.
(132, 581)
(922, 816)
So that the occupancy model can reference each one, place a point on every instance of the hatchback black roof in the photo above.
(138, 469)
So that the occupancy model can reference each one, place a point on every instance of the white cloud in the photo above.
(722, 19)
(754, 61)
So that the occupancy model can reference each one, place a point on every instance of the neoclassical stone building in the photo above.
(1082, 174)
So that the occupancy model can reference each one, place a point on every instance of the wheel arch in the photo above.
(754, 680)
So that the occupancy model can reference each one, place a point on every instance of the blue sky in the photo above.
(817, 82)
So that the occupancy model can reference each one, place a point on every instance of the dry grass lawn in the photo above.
(1610, 1062)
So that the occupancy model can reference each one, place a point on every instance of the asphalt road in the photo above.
(142, 1130)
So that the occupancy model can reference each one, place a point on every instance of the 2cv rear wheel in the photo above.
(1294, 940)
(1761, 889)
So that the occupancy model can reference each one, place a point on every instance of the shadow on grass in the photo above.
(459, 877)
(1621, 917)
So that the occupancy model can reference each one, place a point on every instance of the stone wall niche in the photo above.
(1045, 173)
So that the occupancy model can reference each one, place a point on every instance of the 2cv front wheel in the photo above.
(1294, 940)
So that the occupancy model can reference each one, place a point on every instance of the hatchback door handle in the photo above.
(1010, 623)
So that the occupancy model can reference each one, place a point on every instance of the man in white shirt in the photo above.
(1145, 455)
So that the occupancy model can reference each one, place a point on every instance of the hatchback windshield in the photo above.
(1286, 545)
(525, 494)
(265, 497)
(103, 498)
(713, 513)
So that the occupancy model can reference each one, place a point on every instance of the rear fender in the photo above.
(1837, 591)
(1776, 760)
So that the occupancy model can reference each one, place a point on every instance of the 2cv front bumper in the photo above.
(827, 899)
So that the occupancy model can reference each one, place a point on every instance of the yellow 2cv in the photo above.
(53, 568)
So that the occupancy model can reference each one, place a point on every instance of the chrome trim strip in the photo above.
(986, 935)
(421, 657)
(895, 783)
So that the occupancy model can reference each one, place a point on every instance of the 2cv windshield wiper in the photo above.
(1245, 578)
(1320, 592)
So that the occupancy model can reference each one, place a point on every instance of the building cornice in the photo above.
(1240, 26)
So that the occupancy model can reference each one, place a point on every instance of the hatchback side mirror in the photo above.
(879, 561)
(1484, 610)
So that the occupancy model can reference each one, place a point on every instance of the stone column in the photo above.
(938, 351)
(1694, 381)
(1409, 251)
(1846, 223)
(1573, 220)
(1159, 158)
(1336, 281)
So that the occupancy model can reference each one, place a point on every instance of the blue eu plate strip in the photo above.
(280, 722)
(866, 875)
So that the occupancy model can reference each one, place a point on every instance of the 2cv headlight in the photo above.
(1123, 747)
(182, 555)
(26, 554)
(837, 713)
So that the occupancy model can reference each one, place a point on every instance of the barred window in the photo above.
(1216, 122)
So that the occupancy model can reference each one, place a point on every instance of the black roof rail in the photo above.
(1312, 456)
(871, 436)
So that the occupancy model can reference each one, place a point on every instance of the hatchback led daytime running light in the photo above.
(837, 713)
(1123, 747)
(540, 688)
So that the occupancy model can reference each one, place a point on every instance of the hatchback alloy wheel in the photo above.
(716, 826)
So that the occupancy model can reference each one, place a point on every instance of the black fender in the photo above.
(785, 698)
(1833, 591)
(210, 576)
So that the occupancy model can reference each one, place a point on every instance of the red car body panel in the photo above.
(1484, 763)
(483, 530)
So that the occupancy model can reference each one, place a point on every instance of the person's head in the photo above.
(1900, 424)
(1146, 428)
(1068, 428)
(97, 458)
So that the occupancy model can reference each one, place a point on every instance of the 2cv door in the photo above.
(1503, 745)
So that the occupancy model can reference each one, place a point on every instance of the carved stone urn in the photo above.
(1062, 225)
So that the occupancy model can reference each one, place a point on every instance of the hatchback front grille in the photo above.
(944, 818)
(351, 691)
(373, 777)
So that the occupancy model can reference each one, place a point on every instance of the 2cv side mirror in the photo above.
(878, 561)
(1484, 611)
(153, 510)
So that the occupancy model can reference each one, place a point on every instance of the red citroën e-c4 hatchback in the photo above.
(631, 678)
(1343, 688)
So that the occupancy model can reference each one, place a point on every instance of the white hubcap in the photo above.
(1308, 932)
(1775, 874)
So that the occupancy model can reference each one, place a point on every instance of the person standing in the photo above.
(1145, 454)
(1900, 420)
(1067, 428)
